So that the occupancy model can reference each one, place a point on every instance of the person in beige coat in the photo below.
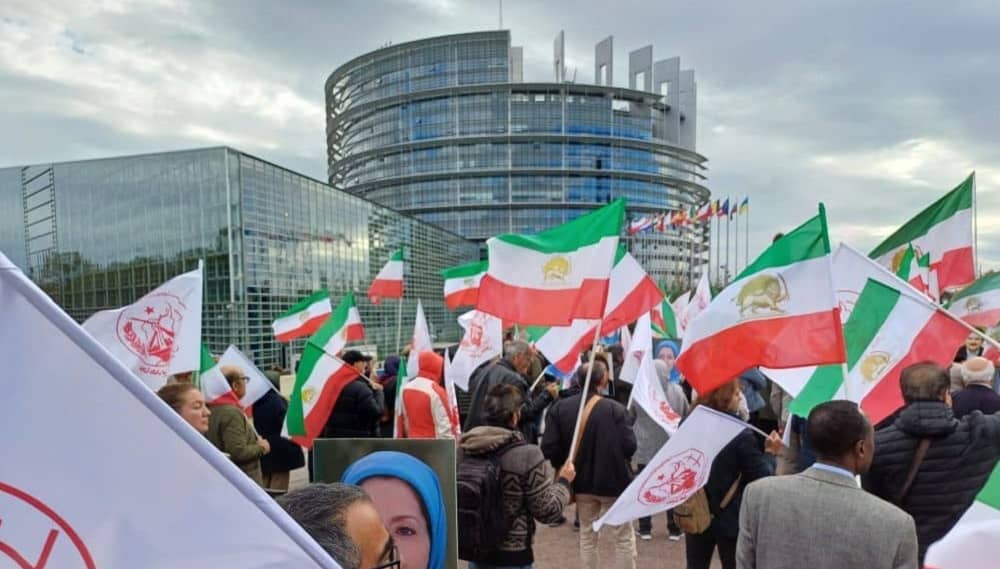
(821, 518)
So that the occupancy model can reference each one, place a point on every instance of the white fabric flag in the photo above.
(698, 302)
(641, 346)
(214, 384)
(483, 341)
(678, 470)
(648, 393)
(159, 334)
(420, 342)
(449, 387)
(160, 496)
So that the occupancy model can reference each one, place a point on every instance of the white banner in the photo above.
(483, 341)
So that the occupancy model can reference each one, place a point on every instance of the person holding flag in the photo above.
(231, 431)
(360, 405)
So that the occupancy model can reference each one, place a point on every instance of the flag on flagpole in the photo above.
(482, 341)
(887, 326)
(974, 542)
(631, 294)
(697, 303)
(343, 326)
(724, 210)
(216, 388)
(318, 382)
(155, 471)
(745, 206)
(388, 282)
(157, 335)
(665, 321)
(979, 303)
(553, 277)
(419, 342)
(648, 393)
(461, 284)
(641, 347)
(916, 270)
(449, 388)
(780, 312)
(678, 470)
(944, 230)
(304, 318)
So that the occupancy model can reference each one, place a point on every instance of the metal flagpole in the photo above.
(399, 326)
(746, 258)
(726, 276)
(718, 242)
(736, 231)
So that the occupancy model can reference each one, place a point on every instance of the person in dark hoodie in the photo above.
(387, 379)
(531, 491)
(958, 455)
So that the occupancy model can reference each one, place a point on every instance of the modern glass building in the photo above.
(99, 234)
(446, 130)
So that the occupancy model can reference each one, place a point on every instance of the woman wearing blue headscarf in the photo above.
(667, 351)
(407, 495)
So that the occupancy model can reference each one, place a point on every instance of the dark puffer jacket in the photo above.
(529, 492)
(356, 413)
(960, 459)
(489, 375)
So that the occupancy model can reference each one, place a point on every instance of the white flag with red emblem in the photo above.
(160, 496)
(159, 334)
(678, 470)
(483, 341)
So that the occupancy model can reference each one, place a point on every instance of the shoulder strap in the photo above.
(583, 422)
(918, 459)
(731, 493)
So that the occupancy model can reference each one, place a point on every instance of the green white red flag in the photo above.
(461, 284)
(318, 382)
(556, 276)
(631, 294)
(979, 303)
(664, 321)
(304, 318)
(974, 542)
(388, 282)
(943, 230)
(344, 326)
(916, 270)
(780, 312)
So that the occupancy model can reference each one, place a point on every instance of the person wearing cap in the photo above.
(427, 411)
(360, 405)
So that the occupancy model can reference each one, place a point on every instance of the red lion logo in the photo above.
(675, 479)
(149, 328)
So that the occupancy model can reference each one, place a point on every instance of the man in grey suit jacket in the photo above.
(821, 518)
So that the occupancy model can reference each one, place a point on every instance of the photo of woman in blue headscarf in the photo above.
(407, 495)
(667, 352)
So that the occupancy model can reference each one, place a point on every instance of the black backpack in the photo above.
(482, 523)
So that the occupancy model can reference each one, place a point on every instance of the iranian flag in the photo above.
(157, 335)
(679, 469)
(666, 323)
(304, 318)
(216, 388)
(780, 312)
(343, 326)
(318, 383)
(974, 542)
(916, 270)
(979, 303)
(388, 282)
(556, 276)
(944, 230)
(887, 326)
(461, 284)
(631, 294)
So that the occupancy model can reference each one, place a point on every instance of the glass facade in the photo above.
(436, 128)
(99, 234)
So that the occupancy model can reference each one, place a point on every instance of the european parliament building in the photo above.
(99, 234)
(446, 129)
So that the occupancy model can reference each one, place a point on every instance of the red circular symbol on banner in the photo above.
(675, 479)
(24, 515)
(149, 328)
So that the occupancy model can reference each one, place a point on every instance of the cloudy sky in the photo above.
(875, 108)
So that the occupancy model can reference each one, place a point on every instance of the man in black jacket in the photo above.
(603, 469)
(268, 417)
(359, 406)
(977, 395)
(516, 362)
(961, 455)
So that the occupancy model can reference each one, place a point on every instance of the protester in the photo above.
(821, 519)
(973, 347)
(427, 410)
(359, 408)
(511, 369)
(407, 495)
(929, 463)
(230, 430)
(344, 522)
(650, 438)
(978, 395)
(602, 461)
(269, 418)
(387, 379)
(188, 402)
(621, 390)
(530, 489)
(739, 463)
(753, 384)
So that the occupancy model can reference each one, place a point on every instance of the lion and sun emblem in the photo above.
(762, 295)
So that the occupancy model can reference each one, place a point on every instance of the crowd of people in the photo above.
(858, 494)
